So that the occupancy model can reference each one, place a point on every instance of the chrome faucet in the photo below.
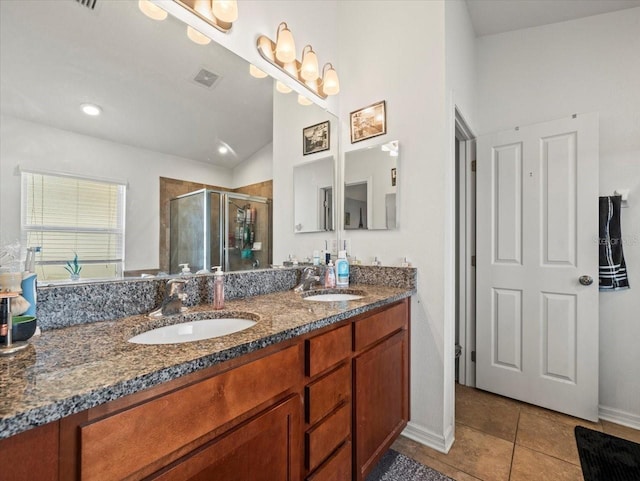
(174, 297)
(309, 278)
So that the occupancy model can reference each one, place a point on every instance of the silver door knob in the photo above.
(586, 280)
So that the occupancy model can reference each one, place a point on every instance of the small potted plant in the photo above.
(74, 268)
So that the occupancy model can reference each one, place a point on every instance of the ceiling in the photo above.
(496, 16)
(56, 55)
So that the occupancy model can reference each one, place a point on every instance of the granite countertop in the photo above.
(68, 370)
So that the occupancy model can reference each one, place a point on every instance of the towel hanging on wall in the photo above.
(613, 270)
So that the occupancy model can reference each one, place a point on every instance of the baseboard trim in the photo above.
(619, 417)
(427, 437)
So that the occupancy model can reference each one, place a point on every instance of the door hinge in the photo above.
(473, 261)
(473, 356)
(473, 166)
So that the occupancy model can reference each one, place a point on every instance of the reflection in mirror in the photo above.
(313, 196)
(176, 117)
(370, 187)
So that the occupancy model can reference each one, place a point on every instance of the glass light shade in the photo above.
(256, 72)
(225, 10)
(151, 10)
(203, 7)
(312, 84)
(302, 100)
(197, 37)
(292, 69)
(285, 46)
(282, 88)
(309, 67)
(330, 82)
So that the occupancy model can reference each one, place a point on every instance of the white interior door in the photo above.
(537, 230)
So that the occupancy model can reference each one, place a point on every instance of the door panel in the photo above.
(537, 216)
(507, 204)
(507, 328)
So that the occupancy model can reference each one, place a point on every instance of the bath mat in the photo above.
(394, 466)
(607, 458)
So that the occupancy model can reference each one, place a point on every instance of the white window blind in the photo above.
(67, 215)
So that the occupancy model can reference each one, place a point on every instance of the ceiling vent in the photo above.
(91, 4)
(206, 78)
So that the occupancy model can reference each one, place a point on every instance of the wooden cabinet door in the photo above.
(381, 404)
(265, 448)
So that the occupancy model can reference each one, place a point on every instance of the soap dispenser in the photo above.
(330, 276)
(186, 271)
(218, 288)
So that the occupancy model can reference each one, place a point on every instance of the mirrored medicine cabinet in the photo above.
(371, 188)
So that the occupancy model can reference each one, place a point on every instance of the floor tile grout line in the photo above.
(513, 448)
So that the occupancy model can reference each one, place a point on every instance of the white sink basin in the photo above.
(333, 297)
(193, 331)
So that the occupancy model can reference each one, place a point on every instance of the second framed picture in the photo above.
(315, 138)
(368, 122)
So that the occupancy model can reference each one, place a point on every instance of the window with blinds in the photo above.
(66, 216)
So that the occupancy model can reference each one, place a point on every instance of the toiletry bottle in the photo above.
(330, 276)
(218, 288)
(342, 270)
(186, 271)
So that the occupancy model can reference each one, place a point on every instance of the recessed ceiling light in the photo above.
(91, 109)
(223, 150)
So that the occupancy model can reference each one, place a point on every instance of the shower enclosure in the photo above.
(212, 228)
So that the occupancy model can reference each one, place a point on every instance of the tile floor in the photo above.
(500, 439)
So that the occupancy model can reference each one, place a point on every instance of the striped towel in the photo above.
(613, 270)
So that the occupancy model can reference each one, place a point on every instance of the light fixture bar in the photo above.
(266, 47)
(212, 20)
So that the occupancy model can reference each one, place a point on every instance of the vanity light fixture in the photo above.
(256, 72)
(285, 49)
(282, 88)
(302, 100)
(218, 13)
(151, 10)
(281, 54)
(197, 37)
(91, 109)
(309, 66)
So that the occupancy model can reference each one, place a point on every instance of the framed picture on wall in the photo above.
(368, 122)
(315, 138)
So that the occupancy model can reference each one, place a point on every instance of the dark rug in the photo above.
(394, 466)
(607, 458)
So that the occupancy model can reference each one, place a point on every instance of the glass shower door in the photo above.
(189, 231)
(248, 232)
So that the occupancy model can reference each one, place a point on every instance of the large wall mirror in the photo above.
(370, 187)
(176, 117)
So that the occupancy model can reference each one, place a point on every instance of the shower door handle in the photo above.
(585, 280)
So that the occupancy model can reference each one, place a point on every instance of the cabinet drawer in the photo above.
(371, 329)
(324, 395)
(263, 449)
(327, 349)
(327, 436)
(124, 443)
(337, 467)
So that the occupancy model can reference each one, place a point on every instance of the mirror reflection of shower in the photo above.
(212, 228)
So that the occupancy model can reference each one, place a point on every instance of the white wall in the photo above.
(289, 118)
(257, 168)
(33, 146)
(585, 65)
(402, 61)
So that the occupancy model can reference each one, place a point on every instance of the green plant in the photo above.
(73, 267)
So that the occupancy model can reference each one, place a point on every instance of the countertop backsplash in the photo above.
(79, 303)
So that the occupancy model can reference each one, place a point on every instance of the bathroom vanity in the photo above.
(316, 391)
